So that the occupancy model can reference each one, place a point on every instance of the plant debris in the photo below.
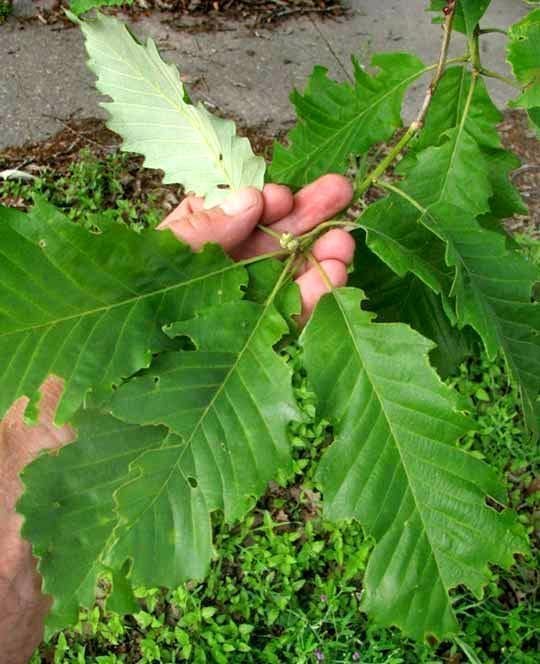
(517, 135)
(256, 13)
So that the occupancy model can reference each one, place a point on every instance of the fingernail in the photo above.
(239, 202)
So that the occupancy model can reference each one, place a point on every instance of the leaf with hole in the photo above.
(395, 467)
(89, 307)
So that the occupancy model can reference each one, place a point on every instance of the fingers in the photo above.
(190, 204)
(278, 203)
(336, 244)
(228, 225)
(312, 286)
(313, 204)
(232, 226)
(334, 251)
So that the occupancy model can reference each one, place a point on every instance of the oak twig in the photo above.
(418, 122)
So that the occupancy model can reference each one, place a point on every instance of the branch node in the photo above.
(289, 242)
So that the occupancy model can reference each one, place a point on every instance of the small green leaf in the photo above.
(80, 6)
(481, 394)
(471, 11)
(149, 110)
(523, 53)
(467, 15)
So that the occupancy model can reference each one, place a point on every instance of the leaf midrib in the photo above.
(115, 305)
(188, 442)
(459, 130)
(394, 437)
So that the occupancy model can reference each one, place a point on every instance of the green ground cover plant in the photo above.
(6, 9)
(393, 448)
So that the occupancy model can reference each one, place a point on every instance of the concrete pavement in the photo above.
(244, 73)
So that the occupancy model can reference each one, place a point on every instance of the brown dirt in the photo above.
(518, 137)
(60, 150)
(211, 14)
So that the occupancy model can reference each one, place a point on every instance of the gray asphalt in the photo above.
(246, 74)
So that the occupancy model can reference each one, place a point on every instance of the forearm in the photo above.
(22, 605)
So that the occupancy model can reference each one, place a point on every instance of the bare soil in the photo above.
(210, 14)
(518, 137)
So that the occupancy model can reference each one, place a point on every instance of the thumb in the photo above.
(227, 225)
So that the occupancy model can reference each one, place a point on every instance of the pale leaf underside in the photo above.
(149, 110)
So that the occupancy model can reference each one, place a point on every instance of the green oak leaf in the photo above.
(394, 235)
(68, 508)
(230, 402)
(150, 110)
(395, 468)
(337, 120)
(164, 528)
(457, 175)
(523, 53)
(89, 307)
(466, 164)
(496, 302)
(408, 300)
(471, 11)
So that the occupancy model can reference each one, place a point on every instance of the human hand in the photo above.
(234, 227)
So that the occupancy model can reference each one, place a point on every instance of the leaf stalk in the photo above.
(500, 77)
(309, 238)
(322, 272)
